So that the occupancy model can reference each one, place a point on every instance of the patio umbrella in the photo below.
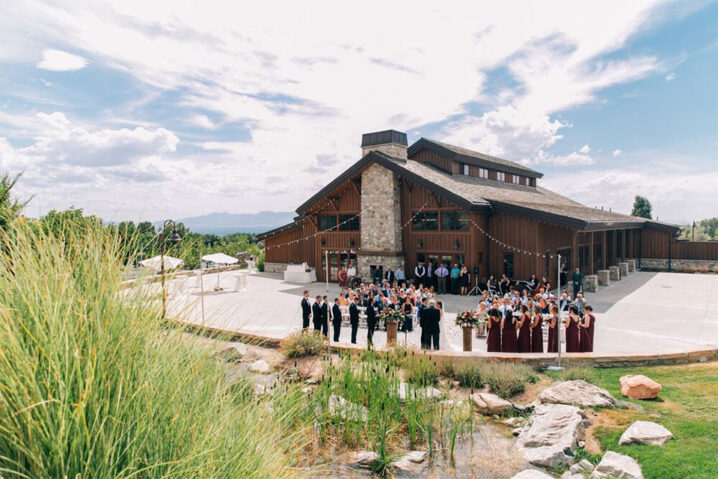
(219, 258)
(156, 263)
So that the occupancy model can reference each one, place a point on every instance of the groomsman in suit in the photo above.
(317, 313)
(306, 310)
(389, 276)
(432, 318)
(325, 316)
(336, 319)
(422, 322)
(419, 275)
(370, 322)
(354, 318)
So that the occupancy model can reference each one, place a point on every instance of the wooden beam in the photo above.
(591, 262)
(574, 251)
(604, 252)
(356, 188)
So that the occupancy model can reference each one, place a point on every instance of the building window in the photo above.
(483, 173)
(516, 179)
(348, 222)
(526, 181)
(464, 169)
(500, 176)
(454, 221)
(426, 221)
(327, 222)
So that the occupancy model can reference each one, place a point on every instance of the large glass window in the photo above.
(516, 179)
(454, 221)
(426, 221)
(500, 176)
(464, 169)
(327, 222)
(348, 223)
(483, 173)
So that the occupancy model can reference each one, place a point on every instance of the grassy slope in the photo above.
(687, 406)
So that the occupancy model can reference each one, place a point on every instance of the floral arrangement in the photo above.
(391, 315)
(467, 319)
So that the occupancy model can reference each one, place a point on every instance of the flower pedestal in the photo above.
(391, 329)
(467, 337)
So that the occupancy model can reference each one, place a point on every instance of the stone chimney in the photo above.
(389, 142)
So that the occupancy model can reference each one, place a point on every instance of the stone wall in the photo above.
(380, 221)
(677, 264)
(391, 149)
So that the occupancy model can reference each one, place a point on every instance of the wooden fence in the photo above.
(705, 250)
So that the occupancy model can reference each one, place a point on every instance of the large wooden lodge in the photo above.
(433, 202)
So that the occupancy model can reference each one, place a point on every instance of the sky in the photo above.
(151, 110)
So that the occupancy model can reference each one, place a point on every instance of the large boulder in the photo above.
(365, 459)
(260, 366)
(233, 352)
(618, 466)
(550, 436)
(581, 467)
(645, 432)
(412, 462)
(577, 392)
(406, 391)
(531, 474)
(638, 386)
(487, 403)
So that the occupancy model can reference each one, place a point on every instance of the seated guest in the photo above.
(554, 322)
(565, 302)
(579, 303)
(537, 331)
(524, 327)
(533, 282)
(587, 326)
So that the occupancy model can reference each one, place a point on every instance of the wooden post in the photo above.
(631, 253)
(591, 265)
(604, 251)
(623, 245)
(614, 246)
(574, 252)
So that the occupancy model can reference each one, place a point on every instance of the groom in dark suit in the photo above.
(306, 310)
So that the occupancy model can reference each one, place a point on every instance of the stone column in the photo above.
(603, 277)
(614, 273)
(623, 267)
(380, 221)
(590, 283)
(631, 265)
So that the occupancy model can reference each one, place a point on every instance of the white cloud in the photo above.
(308, 82)
(59, 61)
(584, 149)
(616, 153)
(670, 77)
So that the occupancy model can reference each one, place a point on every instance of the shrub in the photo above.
(715, 269)
(94, 385)
(303, 343)
(703, 269)
(446, 369)
(469, 375)
(507, 379)
(420, 370)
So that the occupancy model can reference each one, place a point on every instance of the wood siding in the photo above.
(705, 250)
(437, 160)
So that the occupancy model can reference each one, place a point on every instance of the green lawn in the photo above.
(687, 406)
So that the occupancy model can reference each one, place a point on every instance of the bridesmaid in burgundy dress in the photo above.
(509, 344)
(589, 320)
(572, 333)
(537, 331)
(524, 327)
(553, 324)
(493, 340)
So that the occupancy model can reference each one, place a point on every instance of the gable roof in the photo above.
(478, 194)
(470, 157)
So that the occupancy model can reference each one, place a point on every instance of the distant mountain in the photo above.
(226, 223)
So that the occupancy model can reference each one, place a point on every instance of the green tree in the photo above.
(710, 225)
(10, 206)
(642, 207)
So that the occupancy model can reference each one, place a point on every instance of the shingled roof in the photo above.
(486, 195)
(471, 157)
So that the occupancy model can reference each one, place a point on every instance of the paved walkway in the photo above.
(643, 313)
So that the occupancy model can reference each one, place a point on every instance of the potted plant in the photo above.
(468, 320)
(392, 318)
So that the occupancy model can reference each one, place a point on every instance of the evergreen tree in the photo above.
(641, 207)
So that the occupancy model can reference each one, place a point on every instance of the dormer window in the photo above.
(500, 176)
(526, 181)
(516, 179)
(464, 169)
(483, 173)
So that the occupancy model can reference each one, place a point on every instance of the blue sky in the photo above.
(148, 110)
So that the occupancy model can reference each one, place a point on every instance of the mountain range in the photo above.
(227, 223)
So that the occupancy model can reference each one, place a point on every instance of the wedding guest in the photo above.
(351, 274)
(419, 274)
(336, 319)
(482, 315)
(441, 274)
(343, 277)
(565, 302)
(504, 284)
(554, 323)
(408, 310)
(370, 323)
(493, 340)
(325, 316)
(572, 332)
(491, 284)
(464, 279)
(306, 310)
(537, 331)
(509, 343)
(422, 323)
(524, 327)
(354, 318)
(429, 282)
(577, 280)
(587, 327)
(580, 303)
(317, 313)
(454, 274)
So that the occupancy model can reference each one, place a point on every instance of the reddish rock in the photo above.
(637, 386)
